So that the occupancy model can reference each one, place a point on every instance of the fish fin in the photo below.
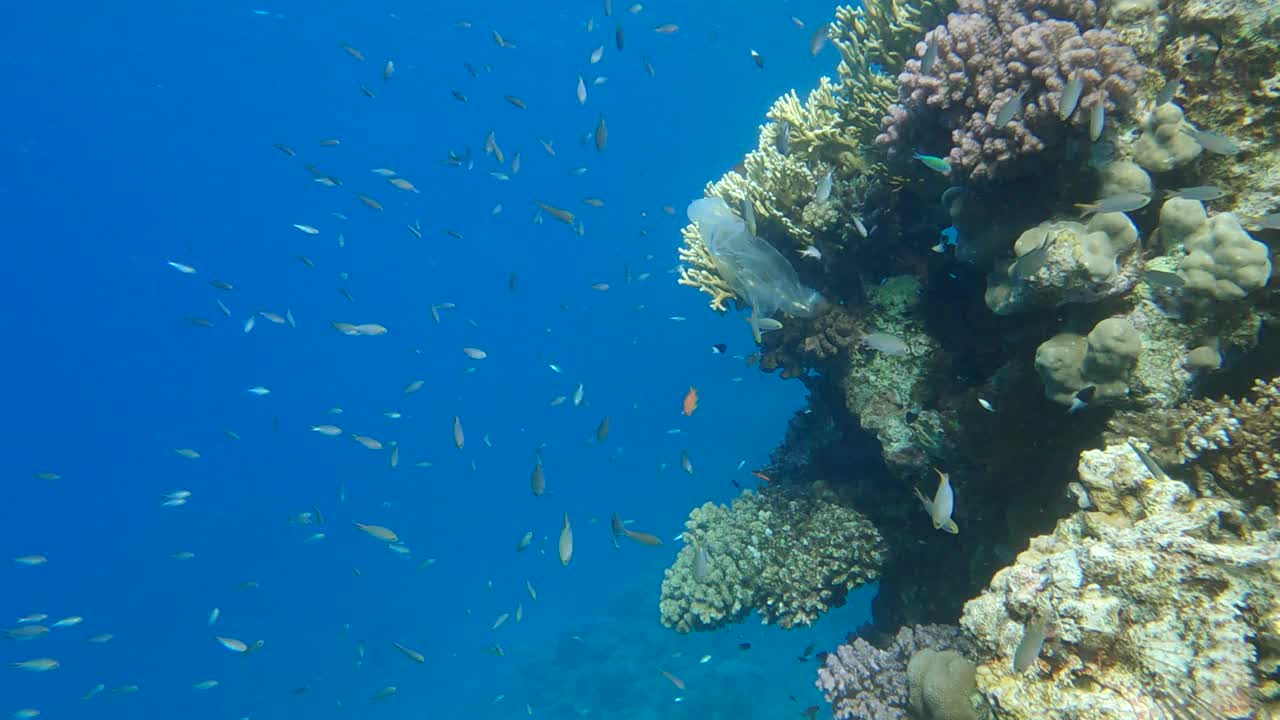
(1086, 208)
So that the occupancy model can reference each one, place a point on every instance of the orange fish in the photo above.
(761, 475)
(691, 401)
(674, 680)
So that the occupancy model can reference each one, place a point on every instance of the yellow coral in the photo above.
(875, 41)
(699, 270)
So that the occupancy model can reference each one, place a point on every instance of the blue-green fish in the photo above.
(934, 163)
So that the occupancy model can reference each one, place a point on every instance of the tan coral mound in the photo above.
(789, 554)
(1159, 602)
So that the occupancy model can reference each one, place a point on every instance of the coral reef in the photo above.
(863, 681)
(788, 553)
(1157, 599)
(993, 52)
(1061, 261)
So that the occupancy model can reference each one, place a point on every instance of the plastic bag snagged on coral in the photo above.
(750, 266)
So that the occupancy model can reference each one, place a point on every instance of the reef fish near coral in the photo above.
(939, 509)
(565, 546)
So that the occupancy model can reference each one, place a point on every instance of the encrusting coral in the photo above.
(1158, 602)
(863, 681)
(788, 553)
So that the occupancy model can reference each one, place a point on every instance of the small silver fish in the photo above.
(749, 215)
(1266, 222)
(886, 343)
(1168, 91)
(783, 142)
(939, 509)
(701, 563)
(1028, 650)
(930, 55)
(1215, 143)
(1152, 466)
(1029, 263)
(1070, 97)
(1124, 202)
(1011, 108)
(823, 192)
(1160, 278)
(1097, 118)
(1203, 193)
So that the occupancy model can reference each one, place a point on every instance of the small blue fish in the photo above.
(934, 163)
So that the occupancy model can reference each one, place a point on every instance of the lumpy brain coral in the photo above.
(789, 555)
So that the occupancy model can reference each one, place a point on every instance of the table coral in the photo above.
(1159, 603)
(789, 554)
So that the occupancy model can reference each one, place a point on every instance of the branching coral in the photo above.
(789, 554)
(866, 682)
(990, 52)
(1237, 441)
(874, 39)
(699, 269)
(1155, 599)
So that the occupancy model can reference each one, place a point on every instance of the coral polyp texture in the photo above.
(1157, 603)
(990, 53)
(788, 555)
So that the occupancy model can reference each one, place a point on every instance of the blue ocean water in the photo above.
(142, 134)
